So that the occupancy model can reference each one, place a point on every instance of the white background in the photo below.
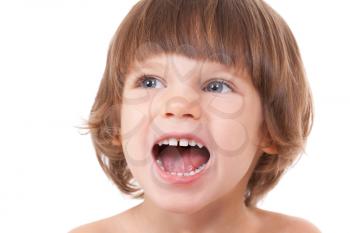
(52, 56)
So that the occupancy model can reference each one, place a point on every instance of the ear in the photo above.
(270, 149)
(267, 145)
(116, 141)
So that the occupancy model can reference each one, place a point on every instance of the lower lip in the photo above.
(180, 179)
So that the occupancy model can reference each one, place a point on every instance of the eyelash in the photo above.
(223, 81)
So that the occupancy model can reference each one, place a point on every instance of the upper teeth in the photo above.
(180, 142)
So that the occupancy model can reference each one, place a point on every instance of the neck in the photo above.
(227, 214)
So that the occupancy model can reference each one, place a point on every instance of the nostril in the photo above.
(182, 107)
(184, 115)
(188, 115)
(169, 114)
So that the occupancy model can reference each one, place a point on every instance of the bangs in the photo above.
(206, 30)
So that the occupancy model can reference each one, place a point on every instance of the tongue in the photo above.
(182, 159)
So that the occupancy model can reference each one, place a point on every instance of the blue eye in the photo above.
(218, 86)
(147, 82)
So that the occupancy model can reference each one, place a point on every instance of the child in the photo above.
(203, 106)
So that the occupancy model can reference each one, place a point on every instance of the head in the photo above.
(254, 131)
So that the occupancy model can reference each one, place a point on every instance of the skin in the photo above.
(229, 120)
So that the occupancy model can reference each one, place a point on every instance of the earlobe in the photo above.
(267, 145)
(272, 150)
(116, 141)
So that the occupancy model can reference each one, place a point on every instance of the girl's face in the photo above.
(179, 95)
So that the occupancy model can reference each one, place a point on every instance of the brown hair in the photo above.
(247, 34)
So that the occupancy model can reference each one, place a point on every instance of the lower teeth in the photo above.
(191, 173)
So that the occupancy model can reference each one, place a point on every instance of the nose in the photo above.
(182, 104)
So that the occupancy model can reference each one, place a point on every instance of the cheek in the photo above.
(228, 135)
(233, 131)
(134, 112)
(224, 106)
(233, 171)
(233, 151)
(131, 119)
(133, 131)
(233, 120)
(225, 113)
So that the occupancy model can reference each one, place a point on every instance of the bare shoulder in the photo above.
(302, 225)
(87, 228)
(282, 223)
(114, 224)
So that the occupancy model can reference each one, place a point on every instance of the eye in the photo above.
(147, 81)
(218, 85)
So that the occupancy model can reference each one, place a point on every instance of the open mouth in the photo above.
(176, 160)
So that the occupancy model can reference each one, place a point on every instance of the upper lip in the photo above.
(188, 136)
